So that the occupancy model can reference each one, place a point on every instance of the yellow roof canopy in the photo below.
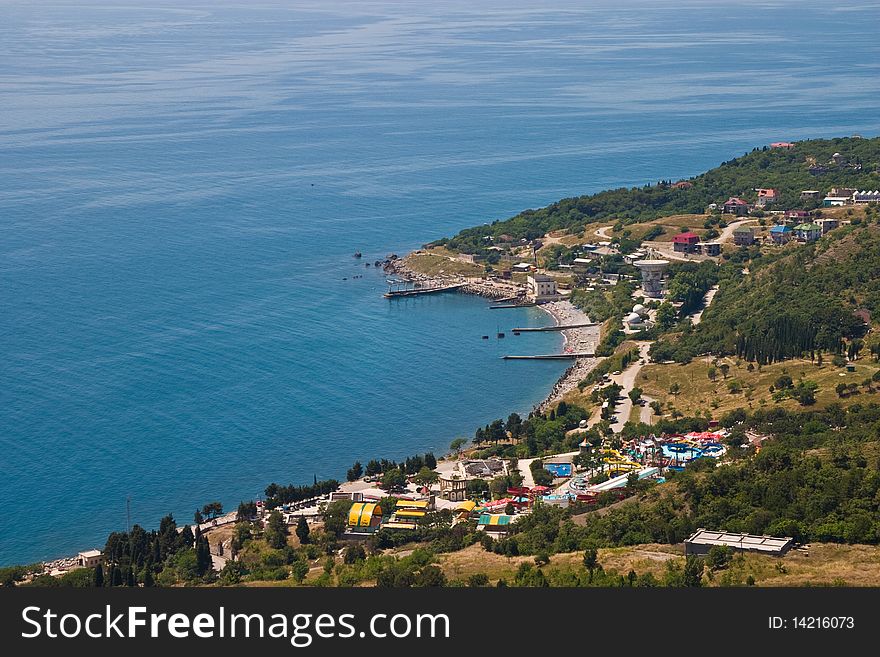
(412, 504)
(361, 513)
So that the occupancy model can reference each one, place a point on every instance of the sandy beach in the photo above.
(578, 339)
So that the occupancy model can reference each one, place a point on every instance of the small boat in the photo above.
(500, 335)
(357, 254)
(366, 264)
(516, 332)
(485, 337)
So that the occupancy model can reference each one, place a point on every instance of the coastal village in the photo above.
(493, 494)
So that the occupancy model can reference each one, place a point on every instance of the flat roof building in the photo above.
(704, 539)
(542, 288)
(89, 558)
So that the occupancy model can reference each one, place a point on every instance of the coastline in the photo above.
(578, 339)
(562, 312)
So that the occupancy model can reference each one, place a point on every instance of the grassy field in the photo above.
(671, 226)
(440, 261)
(824, 564)
(698, 393)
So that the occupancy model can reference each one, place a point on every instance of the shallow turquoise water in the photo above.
(183, 189)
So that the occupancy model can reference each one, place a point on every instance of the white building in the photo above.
(652, 276)
(89, 558)
(866, 196)
(542, 288)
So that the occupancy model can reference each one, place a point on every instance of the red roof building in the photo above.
(782, 144)
(685, 242)
(766, 196)
(735, 205)
(682, 184)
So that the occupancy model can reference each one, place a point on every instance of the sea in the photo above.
(183, 186)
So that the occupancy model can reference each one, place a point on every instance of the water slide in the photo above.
(620, 482)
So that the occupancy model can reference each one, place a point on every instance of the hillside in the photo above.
(808, 165)
(797, 302)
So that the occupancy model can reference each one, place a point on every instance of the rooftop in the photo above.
(742, 541)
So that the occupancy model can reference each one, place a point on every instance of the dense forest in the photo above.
(809, 165)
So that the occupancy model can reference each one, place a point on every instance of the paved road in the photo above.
(603, 233)
(646, 413)
(697, 317)
(727, 231)
(627, 379)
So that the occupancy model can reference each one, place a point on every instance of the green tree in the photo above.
(203, 553)
(302, 530)
(212, 510)
(693, 571)
(99, 576)
(354, 553)
(666, 316)
(394, 478)
(591, 560)
(478, 579)
(457, 444)
(426, 477)
(276, 531)
(355, 472)
(336, 517)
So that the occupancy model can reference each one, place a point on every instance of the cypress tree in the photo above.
(99, 576)
(302, 530)
(203, 553)
(116, 576)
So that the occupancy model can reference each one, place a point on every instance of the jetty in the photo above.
(575, 354)
(414, 288)
(561, 327)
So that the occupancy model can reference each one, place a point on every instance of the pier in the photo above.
(561, 327)
(577, 354)
(414, 288)
(426, 285)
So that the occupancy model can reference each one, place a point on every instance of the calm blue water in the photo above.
(182, 190)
